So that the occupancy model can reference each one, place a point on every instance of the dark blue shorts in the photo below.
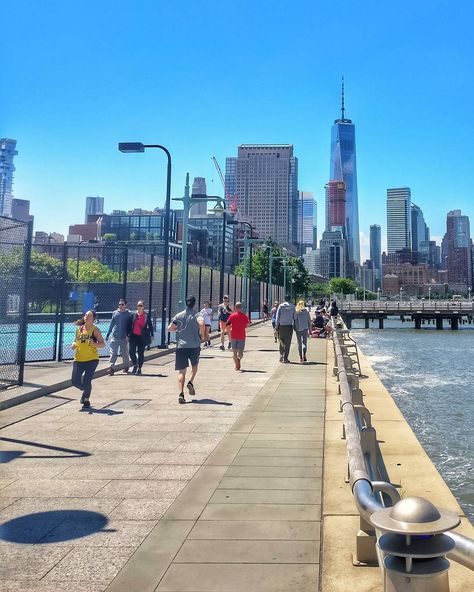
(186, 356)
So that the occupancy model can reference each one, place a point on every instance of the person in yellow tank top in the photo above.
(87, 341)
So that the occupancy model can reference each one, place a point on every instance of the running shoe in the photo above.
(181, 399)
(86, 404)
(222, 348)
(139, 372)
(230, 345)
(191, 390)
(111, 371)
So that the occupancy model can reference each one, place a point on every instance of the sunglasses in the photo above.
(140, 305)
(121, 303)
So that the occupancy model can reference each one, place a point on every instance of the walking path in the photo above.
(221, 494)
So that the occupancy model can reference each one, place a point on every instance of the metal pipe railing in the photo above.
(363, 488)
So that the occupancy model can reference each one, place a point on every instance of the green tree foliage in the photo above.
(318, 291)
(91, 270)
(342, 285)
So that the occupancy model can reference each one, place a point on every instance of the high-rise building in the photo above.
(306, 220)
(419, 230)
(198, 188)
(336, 205)
(343, 168)
(376, 253)
(398, 219)
(20, 210)
(312, 261)
(94, 207)
(264, 180)
(458, 243)
(333, 254)
(7, 168)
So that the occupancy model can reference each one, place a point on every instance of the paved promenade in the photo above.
(221, 494)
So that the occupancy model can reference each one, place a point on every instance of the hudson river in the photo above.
(429, 374)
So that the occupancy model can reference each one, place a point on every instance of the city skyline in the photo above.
(67, 133)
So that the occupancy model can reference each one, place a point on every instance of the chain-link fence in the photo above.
(15, 248)
(66, 280)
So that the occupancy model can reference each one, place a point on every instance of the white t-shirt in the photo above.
(206, 315)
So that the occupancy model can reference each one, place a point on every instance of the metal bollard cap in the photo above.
(415, 516)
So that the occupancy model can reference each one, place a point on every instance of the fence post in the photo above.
(125, 273)
(187, 279)
(150, 285)
(62, 302)
(170, 299)
(210, 288)
(199, 287)
(24, 311)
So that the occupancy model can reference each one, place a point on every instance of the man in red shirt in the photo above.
(238, 322)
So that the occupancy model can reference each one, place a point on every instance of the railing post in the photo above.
(62, 302)
(22, 337)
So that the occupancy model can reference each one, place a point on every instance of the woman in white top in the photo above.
(207, 315)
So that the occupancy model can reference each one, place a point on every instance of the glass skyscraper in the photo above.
(343, 168)
(376, 252)
(7, 168)
(306, 220)
(398, 219)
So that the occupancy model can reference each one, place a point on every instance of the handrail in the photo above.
(363, 488)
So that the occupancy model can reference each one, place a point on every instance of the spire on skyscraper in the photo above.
(342, 102)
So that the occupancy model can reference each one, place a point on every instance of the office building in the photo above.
(429, 253)
(312, 261)
(7, 168)
(368, 279)
(459, 251)
(333, 254)
(306, 221)
(398, 219)
(138, 225)
(376, 253)
(198, 188)
(20, 210)
(343, 167)
(336, 206)
(419, 230)
(94, 207)
(263, 180)
(211, 224)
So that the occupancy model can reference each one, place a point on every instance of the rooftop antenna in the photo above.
(342, 103)
(186, 187)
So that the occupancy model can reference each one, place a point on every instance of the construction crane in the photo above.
(230, 199)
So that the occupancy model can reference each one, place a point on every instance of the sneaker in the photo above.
(301, 360)
(305, 359)
(229, 346)
(86, 404)
(181, 399)
(125, 370)
(134, 371)
(139, 372)
(111, 371)
(209, 343)
(191, 390)
(222, 348)
(281, 358)
(286, 361)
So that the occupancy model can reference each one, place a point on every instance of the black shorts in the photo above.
(186, 355)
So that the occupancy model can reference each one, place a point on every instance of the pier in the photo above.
(419, 313)
(245, 487)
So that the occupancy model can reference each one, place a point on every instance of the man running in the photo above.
(223, 313)
(238, 322)
(189, 330)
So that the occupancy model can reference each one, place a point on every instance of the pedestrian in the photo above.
(117, 335)
(87, 341)
(265, 314)
(238, 321)
(189, 328)
(223, 313)
(140, 336)
(284, 323)
(273, 317)
(303, 329)
(207, 315)
(334, 310)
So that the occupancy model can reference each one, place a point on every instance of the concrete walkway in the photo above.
(221, 494)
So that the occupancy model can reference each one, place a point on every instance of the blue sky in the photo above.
(203, 77)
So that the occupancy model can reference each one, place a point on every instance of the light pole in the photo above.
(378, 293)
(247, 291)
(429, 294)
(469, 293)
(128, 147)
(401, 293)
(188, 201)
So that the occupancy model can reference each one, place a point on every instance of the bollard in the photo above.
(414, 545)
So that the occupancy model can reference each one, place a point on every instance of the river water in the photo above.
(429, 374)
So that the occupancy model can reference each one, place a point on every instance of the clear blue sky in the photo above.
(203, 77)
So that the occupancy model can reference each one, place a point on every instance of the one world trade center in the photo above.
(343, 168)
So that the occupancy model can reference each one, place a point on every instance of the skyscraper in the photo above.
(398, 219)
(332, 249)
(264, 179)
(198, 188)
(336, 205)
(94, 207)
(459, 255)
(419, 230)
(376, 253)
(7, 168)
(306, 220)
(343, 168)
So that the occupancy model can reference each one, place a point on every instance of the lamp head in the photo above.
(131, 147)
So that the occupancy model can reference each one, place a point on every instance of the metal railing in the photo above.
(412, 306)
(367, 475)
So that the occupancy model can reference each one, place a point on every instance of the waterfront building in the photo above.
(7, 168)
(306, 221)
(94, 207)
(368, 276)
(198, 188)
(459, 251)
(336, 206)
(333, 254)
(263, 180)
(343, 168)
(398, 219)
(376, 253)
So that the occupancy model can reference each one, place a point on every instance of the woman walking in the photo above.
(207, 315)
(274, 316)
(303, 329)
(87, 341)
(141, 335)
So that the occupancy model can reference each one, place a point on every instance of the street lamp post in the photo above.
(401, 293)
(469, 293)
(248, 244)
(378, 293)
(127, 147)
(429, 294)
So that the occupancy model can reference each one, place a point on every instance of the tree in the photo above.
(91, 270)
(342, 286)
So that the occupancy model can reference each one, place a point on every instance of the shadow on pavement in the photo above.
(146, 374)
(9, 455)
(254, 371)
(93, 411)
(210, 402)
(53, 526)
